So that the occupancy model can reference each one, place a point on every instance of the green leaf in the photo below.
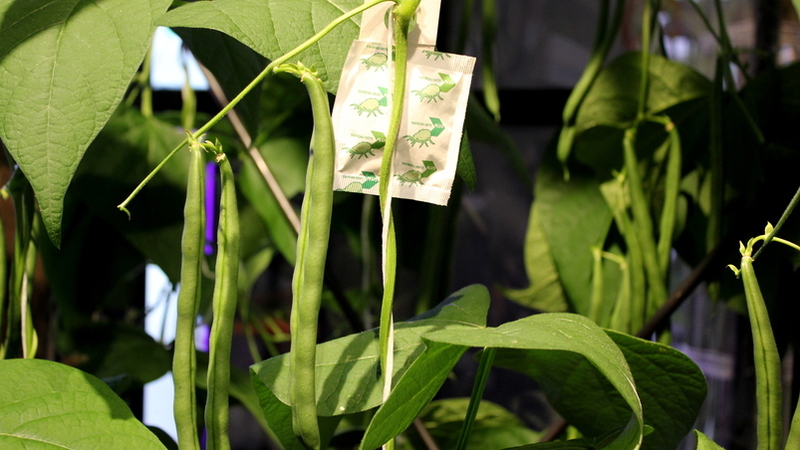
(558, 203)
(274, 27)
(48, 405)
(482, 127)
(564, 353)
(288, 159)
(121, 349)
(671, 386)
(347, 368)
(465, 168)
(412, 392)
(64, 67)
(544, 292)
(614, 96)
(495, 427)
(704, 443)
(279, 417)
(240, 388)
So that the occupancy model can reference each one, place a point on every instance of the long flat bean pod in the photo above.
(224, 309)
(312, 250)
(184, 364)
(767, 362)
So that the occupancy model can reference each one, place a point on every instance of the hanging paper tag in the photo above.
(437, 90)
(426, 155)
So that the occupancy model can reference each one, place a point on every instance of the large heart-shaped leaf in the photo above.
(671, 386)
(571, 216)
(347, 368)
(556, 349)
(274, 27)
(614, 96)
(347, 380)
(64, 67)
(47, 405)
(544, 292)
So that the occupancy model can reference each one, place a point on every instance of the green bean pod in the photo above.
(312, 248)
(184, 362)
(224, 310)
(642, 227)
(671, 194)
(767, 362)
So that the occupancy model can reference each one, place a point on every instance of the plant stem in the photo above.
(147, 89)
(484, 367)
(647, 21)
(604, 39)
(3, 284)
(786, 213)
(671, 193)
(241, 131)
(489, 32)
(401, 19)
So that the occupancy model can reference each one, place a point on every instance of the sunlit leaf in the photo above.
(347, 368)
(274, 27)
(564, 352)
(412, 392)
(64, 67)
(704, 443)
(47, 405)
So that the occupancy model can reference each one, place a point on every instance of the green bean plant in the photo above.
(639, 160)
(661, 170)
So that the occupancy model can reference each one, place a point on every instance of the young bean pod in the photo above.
(224, 310)
(767, 361)
(312, 249)
(184, 364)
